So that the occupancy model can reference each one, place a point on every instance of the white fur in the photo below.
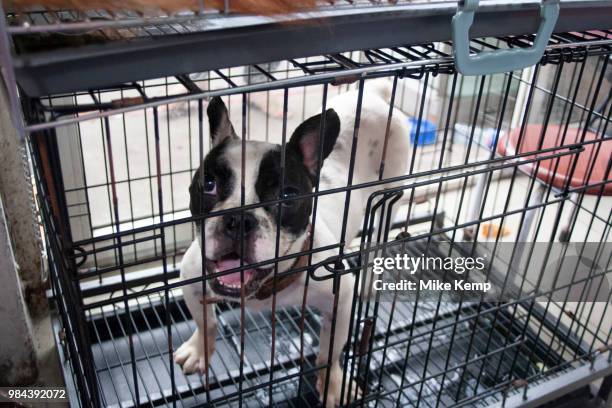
(327, 231)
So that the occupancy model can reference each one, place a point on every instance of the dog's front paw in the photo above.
(191, 358)
(334, 389)
(190, 355)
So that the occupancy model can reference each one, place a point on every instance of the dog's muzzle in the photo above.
(231, 284)
(254, 282)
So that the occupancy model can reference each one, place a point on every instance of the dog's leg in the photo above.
(335, 373)
(190, 355)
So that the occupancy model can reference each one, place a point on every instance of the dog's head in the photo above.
(217, 186)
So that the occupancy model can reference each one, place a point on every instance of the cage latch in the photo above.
(338, 266)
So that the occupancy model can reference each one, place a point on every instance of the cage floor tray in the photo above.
(430, 356)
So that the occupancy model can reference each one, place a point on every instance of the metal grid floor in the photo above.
(483, 371)
(112, 355)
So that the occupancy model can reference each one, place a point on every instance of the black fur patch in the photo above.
(306, 143)
(294, 216)
(218, 119)
(215, 166)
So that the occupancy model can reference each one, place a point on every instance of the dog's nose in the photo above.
(232, 222)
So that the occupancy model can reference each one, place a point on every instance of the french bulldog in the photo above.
(257, 235)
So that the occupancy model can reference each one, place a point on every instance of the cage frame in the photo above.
(54, 207)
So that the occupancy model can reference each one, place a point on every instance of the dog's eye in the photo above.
(210, 185)
(288, 193)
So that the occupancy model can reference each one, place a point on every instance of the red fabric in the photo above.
(556, 171)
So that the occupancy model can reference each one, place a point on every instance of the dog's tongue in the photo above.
(232, 279)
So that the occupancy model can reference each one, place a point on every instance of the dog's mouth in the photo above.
(231, 284)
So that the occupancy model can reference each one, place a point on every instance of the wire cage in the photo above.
(512, 167)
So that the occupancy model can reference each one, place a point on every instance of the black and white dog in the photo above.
(217, 186)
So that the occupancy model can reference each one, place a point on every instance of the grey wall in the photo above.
(16, 191)
(17, 356)
(21, 291)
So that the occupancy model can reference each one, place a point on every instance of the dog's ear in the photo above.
(306, 139)
(218, 118)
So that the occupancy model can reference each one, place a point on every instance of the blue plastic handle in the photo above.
(493, 62)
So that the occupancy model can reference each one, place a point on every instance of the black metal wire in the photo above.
(122, 320)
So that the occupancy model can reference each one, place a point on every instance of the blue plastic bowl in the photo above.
(427, 133)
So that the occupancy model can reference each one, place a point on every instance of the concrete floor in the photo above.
(50, 371)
